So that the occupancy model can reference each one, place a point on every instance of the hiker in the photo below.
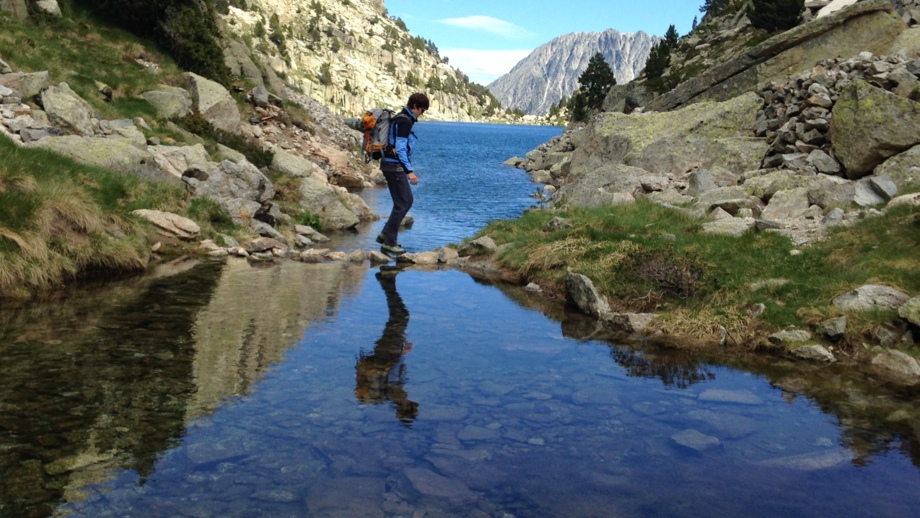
(399, 172)
(381, 375)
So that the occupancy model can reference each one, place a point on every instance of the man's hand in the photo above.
(412, 178)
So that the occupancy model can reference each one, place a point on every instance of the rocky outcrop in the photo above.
(796, 158)
(346, 55)
(870, 25)
(240, 189)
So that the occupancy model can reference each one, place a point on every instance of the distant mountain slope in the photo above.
(551, 71)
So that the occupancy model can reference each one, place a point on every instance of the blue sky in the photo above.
(485, 38)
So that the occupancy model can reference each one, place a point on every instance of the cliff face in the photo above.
(351, 55)
(551, 71)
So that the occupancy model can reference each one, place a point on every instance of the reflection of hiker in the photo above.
(398, 170)
(380, 376)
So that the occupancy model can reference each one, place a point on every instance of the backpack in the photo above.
(377, 139)
(376, 124)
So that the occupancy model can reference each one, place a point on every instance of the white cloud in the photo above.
(487, 24)
(484, 66)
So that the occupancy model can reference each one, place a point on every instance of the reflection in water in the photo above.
(108, 380)
(254, 317)
(381, 375)
(122, 410)
(674, 370)
(84, 392)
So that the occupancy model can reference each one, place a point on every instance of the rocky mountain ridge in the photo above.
(551, 71)
(349, 56)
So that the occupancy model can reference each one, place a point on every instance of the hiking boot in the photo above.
(382, 239)
(392, 249)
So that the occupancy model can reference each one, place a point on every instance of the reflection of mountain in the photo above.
(254, 316)
(109, 380)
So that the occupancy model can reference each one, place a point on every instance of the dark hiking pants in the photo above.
(401, 193)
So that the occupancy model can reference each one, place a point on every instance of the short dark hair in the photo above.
(418, 100)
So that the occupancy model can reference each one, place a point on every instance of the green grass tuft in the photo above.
(645, 257)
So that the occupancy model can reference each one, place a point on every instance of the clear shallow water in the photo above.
(213, 389)
(462, 183)
(323, 390)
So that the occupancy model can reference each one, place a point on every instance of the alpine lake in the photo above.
(230, 389)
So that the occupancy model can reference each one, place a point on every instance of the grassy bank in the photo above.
(61, 220)
(647, 258)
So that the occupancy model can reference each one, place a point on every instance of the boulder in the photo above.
(910, 311)
(293, 165)
(735, 227)
(27, 84)
(179, 226)
(213, 102)
(112, 153)
(813, 352)
(870, 125)
(699, 136)
(587, 189)
(49, 6)
(169, 101)
(871, 296)
(176, 160)
(239, 188)
(323, 200)
(899, 364)
(67, 110)
(766, 185)
(787, 204)
(903, 168)
(585, 296)
(17, 8)
(237, 59)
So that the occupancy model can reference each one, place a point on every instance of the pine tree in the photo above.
(693, 26)
(671, 37)
(596, 81)
(775, 15)
(713, 7)
(578, 106)
(659, 59)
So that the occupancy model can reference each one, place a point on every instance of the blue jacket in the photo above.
(403, 139)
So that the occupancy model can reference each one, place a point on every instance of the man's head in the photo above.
(418, 100)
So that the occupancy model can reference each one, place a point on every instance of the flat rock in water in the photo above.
(695, 440)
(810, 461)
(347, 496)
(739, 397)
(430, 483)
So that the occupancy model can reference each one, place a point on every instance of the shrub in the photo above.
(187, 29)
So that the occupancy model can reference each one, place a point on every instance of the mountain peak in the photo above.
(551, 71)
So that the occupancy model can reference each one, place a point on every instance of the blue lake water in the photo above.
(230, 390)
(462, 183)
